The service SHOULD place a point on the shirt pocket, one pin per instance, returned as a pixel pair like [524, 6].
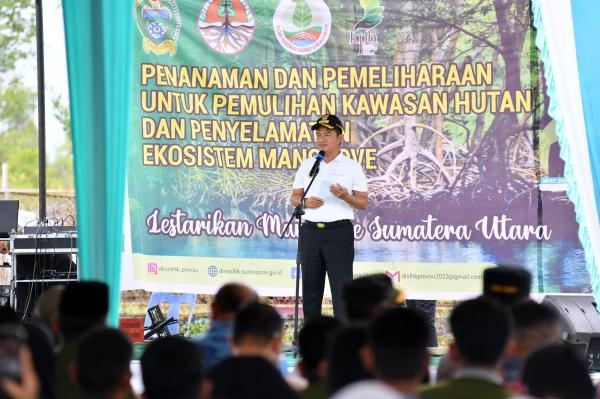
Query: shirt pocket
[343, 179]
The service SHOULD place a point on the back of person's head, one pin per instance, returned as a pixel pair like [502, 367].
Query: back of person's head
[345, 365]
[172, 368]
[258, 323]
[398, 338]
[12, 336]
[230, 298]
[82, 305]
[481, 328]
[46, 306]
[556, 371]
[248, 377]
[507, 284]
[368, 295]
[43, 357]
[42, 353]
[102, 362]
[45, 312]
[536, 324]
[313, 342]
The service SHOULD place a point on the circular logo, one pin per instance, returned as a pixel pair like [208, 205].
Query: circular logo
[226, 26]
[302, 26]
[213, 271]
[157, 30]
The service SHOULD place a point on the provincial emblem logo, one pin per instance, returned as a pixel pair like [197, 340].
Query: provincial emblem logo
[159, 23]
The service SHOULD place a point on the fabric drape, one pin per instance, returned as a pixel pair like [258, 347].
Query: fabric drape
[98, 38]
[565, 32]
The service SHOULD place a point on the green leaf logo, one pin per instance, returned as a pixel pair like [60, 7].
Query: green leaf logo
[302, 15]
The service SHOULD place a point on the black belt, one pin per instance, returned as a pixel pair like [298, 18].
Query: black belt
[326, 225]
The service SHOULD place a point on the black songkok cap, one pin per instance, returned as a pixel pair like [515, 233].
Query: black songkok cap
[509, 284]
[84, 299]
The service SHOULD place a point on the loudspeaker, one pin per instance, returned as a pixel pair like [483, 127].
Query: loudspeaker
[580, 325]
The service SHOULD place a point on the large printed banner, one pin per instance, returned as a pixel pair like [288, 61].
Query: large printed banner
[442, 104]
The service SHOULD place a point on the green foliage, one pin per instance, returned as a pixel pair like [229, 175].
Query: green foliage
[198, 327]
[19, 141]
[59, 172]
[17, 28]
[62, 114]
[18, 135]
[18, 106]
[17, 103]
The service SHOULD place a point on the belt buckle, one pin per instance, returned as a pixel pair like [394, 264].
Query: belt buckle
[321, 225]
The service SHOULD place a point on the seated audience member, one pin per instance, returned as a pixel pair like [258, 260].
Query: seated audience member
[39, 347]
[28, 387]
[397, 355]
[367, 296]
[83, 305]
[345, 364]
[509, 285]
[101, 368]
[313, 341]
[248, 377]
[257, 332]
[43, 360]
[557, 372]
[45, 312]
[228, 300]
[481, 328]
[536, 325]
[364, 298]
[172, 368]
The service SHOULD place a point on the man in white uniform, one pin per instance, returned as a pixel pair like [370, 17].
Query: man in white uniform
[326, 242]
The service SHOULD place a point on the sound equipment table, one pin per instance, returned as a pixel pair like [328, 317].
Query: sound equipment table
[41, 260]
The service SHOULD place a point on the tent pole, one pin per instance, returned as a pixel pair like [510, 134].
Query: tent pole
[39, 23]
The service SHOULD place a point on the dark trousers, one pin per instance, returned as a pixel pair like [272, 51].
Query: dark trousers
[331, 251]
[426, 308]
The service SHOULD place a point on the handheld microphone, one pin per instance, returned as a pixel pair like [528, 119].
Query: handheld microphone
[315, 169]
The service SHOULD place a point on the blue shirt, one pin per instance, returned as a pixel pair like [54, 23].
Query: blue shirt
[215, 343]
